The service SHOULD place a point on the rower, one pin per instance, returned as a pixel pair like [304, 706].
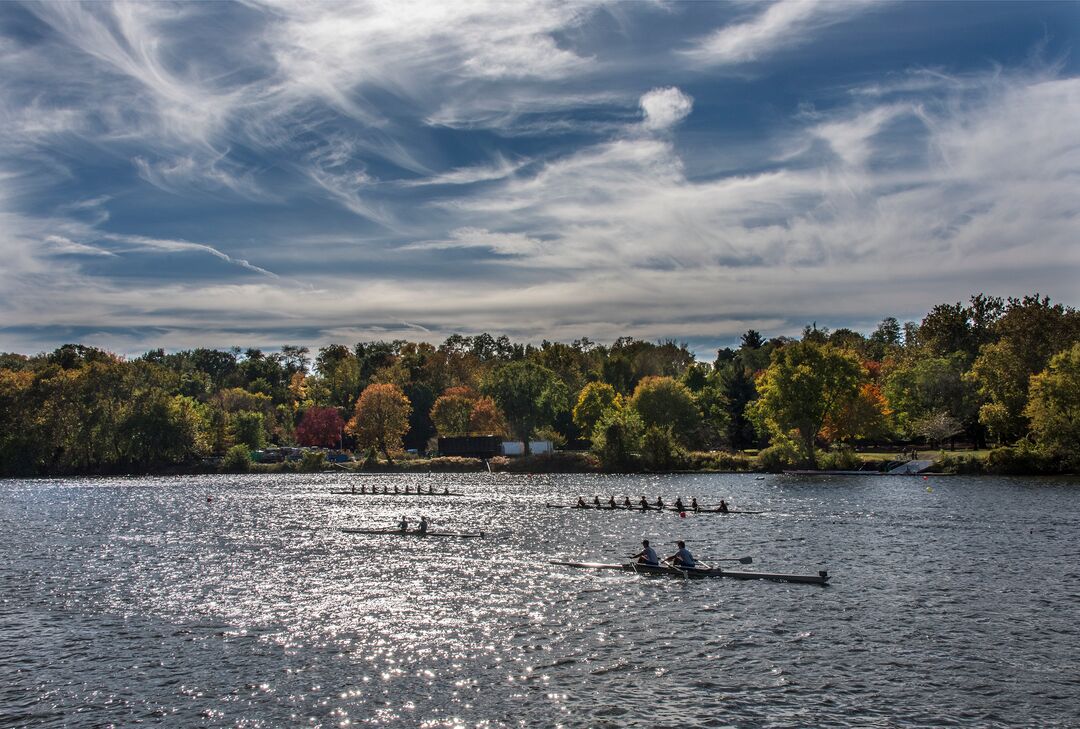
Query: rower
[406, 489]
[682, 558]
[626, 502]
[581, 503]
[395, 488]
[679, 504]
[644, 504]
[647, 555]
[362, 488]
[354, 488]
[694, 504]
[611, 502]
[659, 503]
[421, 528]
[385, 490]
[446, 491]
[596, 501]
[723, 507]
[403, 525]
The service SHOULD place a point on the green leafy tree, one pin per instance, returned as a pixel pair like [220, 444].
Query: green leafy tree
[248, 428]
[805, 385]
[529, 395]
[922, 386]
[667, 403]
[1054, 407]
[593, 401]
[616, 438]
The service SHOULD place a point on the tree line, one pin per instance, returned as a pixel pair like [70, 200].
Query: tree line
[992, 371]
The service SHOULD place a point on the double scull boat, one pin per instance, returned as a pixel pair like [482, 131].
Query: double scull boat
[821, 578]
[412, 533]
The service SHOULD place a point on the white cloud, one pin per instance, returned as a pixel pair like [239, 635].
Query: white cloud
[665, 108]
[782, 24]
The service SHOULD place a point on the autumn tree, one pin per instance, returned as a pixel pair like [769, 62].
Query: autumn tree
[486, 418]
[381, 419]
[452, 411]
[320, 426]
[805, 385]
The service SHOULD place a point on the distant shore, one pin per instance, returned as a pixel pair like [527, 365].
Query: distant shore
[939, 463]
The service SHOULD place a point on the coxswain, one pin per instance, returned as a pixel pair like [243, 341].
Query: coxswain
[403, 525]
[611, 502]
[647, 555]
[644, 504]
[596, 501]
[679, 504]
[659, 503]
[723, 507]
[694, 504]
[581, 503]
[421, 528]
[682, 558]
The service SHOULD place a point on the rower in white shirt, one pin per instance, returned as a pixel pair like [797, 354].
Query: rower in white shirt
[682, 558]
[647, 555]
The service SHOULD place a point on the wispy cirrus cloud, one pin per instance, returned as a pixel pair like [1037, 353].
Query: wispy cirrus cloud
[781, 25]
[417, 169]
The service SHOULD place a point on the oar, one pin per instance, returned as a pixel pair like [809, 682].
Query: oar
[740, 560]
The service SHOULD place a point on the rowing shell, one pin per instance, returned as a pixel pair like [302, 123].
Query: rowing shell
[350, 492]
[638, 507]
[399, 533]
[821, 578]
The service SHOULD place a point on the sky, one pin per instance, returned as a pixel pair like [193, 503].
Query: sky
[253, 174]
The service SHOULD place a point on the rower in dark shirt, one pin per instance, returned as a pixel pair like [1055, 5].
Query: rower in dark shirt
[581, 503]
[723, 507]
[596, 501]
[694, 504]
[644, 504]
[421, 528]
[403, 525]
[679, 504]
[626, 502]
[611, 502]
[659, 503]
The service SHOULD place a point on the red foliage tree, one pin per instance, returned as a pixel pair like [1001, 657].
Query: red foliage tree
[320, 427]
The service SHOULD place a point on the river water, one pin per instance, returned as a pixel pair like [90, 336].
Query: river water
[954, 601]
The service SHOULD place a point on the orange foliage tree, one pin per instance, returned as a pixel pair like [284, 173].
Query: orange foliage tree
[381, 419]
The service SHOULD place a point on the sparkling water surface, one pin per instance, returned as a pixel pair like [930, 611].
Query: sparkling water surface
[954, 601]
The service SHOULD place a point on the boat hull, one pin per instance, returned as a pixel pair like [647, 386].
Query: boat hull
[399, 533]
[821, 578]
